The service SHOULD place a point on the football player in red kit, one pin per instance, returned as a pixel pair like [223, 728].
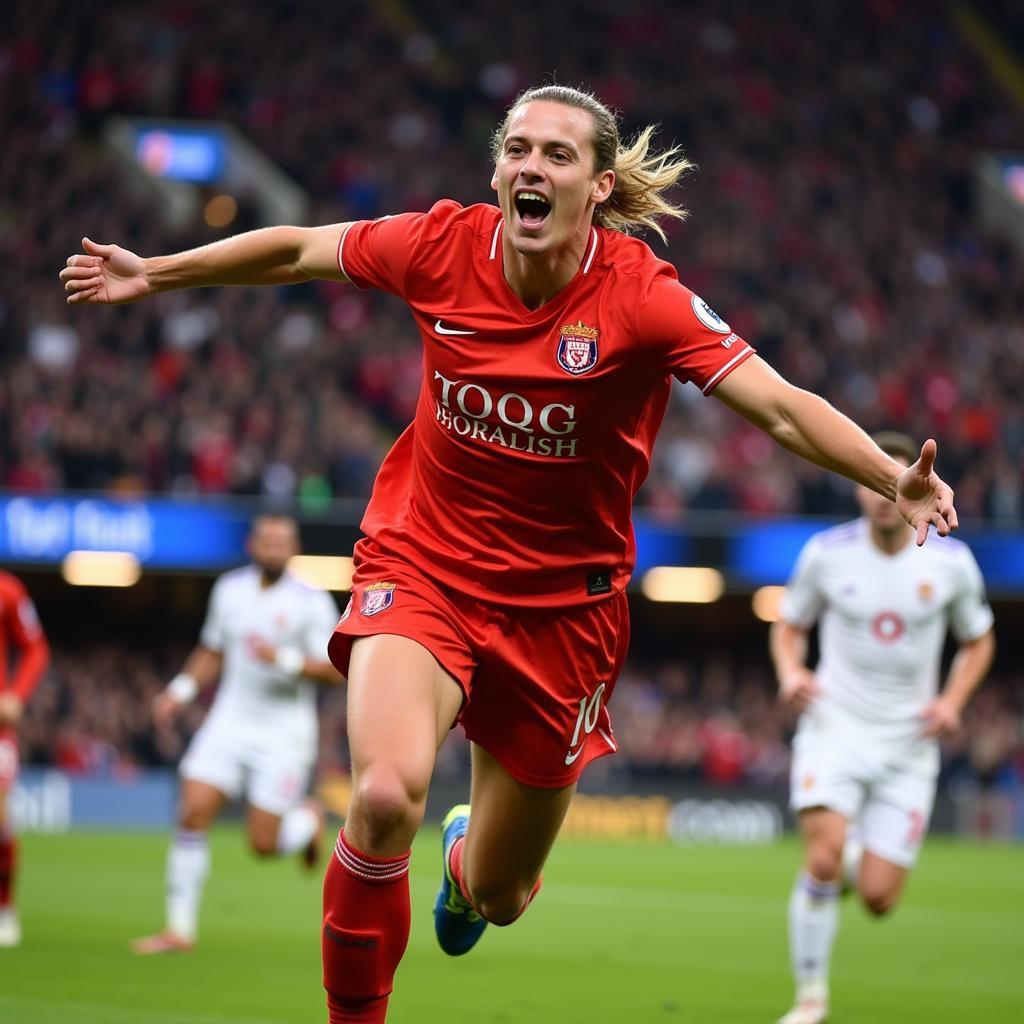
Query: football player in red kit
[490, 586]
[21, 640]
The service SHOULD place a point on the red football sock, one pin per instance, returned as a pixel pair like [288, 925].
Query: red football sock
[455, 863]
[8, 864]
[365, 932]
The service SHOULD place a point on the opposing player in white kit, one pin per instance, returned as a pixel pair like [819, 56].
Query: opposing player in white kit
[265, 638]
[865, 755]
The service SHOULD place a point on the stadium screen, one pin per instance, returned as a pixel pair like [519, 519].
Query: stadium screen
[193, 155]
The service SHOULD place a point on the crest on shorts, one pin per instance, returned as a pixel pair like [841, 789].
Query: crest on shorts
[377, 597]
[577, 348]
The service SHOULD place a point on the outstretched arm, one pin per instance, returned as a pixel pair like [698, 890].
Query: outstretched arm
[807, 425]
[109, 274]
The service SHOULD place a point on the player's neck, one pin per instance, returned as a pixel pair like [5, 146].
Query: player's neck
[891, 542]
[536, 278]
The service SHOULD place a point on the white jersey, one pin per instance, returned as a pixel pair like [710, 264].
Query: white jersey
[253, 697]
[883, 620]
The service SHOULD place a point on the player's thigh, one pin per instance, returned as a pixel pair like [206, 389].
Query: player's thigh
[895, 820]
[199, 804]
[216, 759]
[263, 827]
[401, 704]
[823, 831]
[880, 883]
[512, 829]
[279, 773]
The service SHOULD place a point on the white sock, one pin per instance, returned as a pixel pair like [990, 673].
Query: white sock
[298, 826]
[188, 864]
[813, 922]
[853, 851]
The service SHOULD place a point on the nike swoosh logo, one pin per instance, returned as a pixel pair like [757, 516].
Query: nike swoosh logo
[441, 329]
[570, 757]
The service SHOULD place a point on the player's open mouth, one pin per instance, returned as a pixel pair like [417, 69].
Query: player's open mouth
[532, 208]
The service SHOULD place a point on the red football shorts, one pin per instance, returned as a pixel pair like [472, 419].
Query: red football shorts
[536, 680]
[8, 757]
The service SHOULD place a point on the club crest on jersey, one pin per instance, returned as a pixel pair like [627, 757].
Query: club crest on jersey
[925, 591]
[377, 597]
[577, 348]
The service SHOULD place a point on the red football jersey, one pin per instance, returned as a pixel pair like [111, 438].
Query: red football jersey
[20, 630]
[534, 428]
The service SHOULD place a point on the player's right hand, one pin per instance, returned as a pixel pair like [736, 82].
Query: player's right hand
[105, 274]
[799, 689]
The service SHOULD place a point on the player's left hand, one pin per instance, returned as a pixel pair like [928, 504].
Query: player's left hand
[923, 499]
[10, 709]
[941, 718]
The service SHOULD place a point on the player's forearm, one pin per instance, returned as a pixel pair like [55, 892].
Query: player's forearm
[807, 425]
[969, 668]
[265, 256]
[204, 666]
[787, 645]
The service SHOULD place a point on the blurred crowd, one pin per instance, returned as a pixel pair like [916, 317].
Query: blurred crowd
[832, 225]
[713, 720]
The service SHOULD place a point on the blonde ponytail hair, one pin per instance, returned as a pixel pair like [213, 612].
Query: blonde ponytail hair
[641, 178]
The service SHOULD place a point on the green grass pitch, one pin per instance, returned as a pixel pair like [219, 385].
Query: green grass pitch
[633, 933]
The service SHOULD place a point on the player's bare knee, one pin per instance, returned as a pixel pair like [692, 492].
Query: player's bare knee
[879, 902]
[499, 903]
[194, 818]
[386, 806]
[824, 862]
[263, 845]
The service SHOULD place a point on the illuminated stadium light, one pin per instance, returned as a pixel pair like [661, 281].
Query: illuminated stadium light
[325, 572]
[689, 584]
[220, 211]
[101, 569]
[767, 603]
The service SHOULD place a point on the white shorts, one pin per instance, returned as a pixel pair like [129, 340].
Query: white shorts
[272, 775]
[885, 788]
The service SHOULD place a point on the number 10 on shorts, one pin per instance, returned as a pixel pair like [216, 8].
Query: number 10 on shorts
[586, 723]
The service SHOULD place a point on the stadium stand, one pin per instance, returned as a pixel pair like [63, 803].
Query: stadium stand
[832, 224]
